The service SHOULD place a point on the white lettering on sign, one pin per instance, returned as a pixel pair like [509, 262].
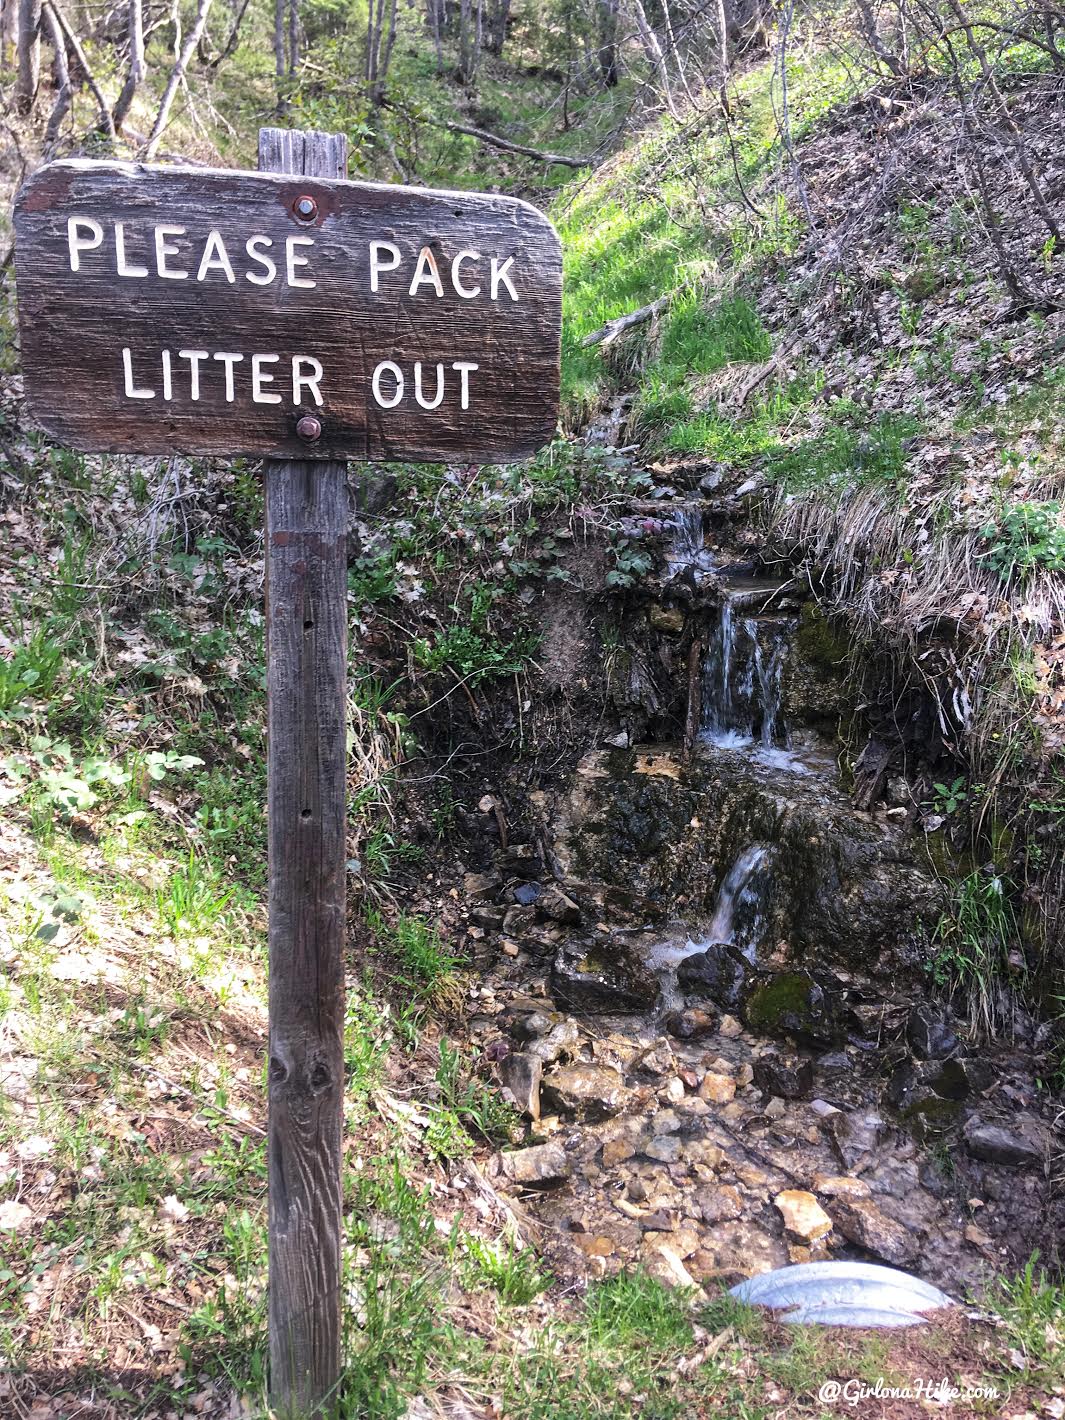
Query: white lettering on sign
[76, 244]
[389, 399]
[467, 293]
[124, 267]
[305, 375]
[215, 258]
[228, 360]
[176, 254]
[426, 269]
[251, 247]
[163, 249]
[500, 277]
[377, 264]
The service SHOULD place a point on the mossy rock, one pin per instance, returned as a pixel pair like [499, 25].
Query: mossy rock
[820, 640]
[792, 1004]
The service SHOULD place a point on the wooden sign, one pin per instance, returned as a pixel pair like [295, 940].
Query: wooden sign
[180, 310]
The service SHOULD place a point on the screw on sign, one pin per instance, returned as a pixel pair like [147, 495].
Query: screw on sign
[295, 316]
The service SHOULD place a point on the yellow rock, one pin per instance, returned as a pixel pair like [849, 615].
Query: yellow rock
[803, 1215]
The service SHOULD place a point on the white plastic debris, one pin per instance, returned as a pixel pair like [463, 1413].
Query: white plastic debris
[843, 1294]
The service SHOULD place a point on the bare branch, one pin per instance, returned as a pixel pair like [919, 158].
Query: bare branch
[607, 334]
[495, 142]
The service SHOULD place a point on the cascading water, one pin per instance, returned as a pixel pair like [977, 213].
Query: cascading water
[740, 913]
[742, 681]
[740, 918]
[687, 552]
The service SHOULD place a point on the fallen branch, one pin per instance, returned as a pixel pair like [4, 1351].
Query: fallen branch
[508, 147]
[607, 334]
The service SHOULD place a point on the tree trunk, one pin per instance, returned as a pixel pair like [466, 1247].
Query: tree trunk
[497, 27]
[177, 74]
[105, 124]
[293, 36]
[135, 75]
[280, 64]
[608, 42]
[435, 21]
[29, 55]
[8, 30]
[653, 50]
[63, 94]
[467, 46]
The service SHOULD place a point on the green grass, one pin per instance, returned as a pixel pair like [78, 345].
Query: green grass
[972, 945]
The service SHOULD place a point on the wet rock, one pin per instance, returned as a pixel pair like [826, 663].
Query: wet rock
[673, 1092]
[560, 1040]
[786, 1076]
[491, 918]
[691, 1023]
[667, 618]
[803, 1215]
[663, 1147]
[590, 1091]
[521, 860]
[1024, 1142]
[719, 974]
[559, 907]
[791, 1004]
[855, 1136]
[525, 894]
[718, 1204]
[929, 1035]
[836, 1080]
[666, 1121]
[603, 975]
[717, 1089]
[532, 1025]
[543, 1164]
[481, 886]
[519, 921]
[743, 1248]
[862, 1222]
[521, 1073]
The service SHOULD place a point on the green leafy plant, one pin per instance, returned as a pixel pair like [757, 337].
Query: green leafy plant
[471, 655]
[631, 563]
[30, 670]
[1026, 538]
[949, 797]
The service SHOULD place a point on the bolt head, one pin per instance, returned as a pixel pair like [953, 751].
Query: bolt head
[309, 428]
[305, 208]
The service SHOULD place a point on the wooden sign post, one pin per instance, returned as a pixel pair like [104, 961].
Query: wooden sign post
[296, 316]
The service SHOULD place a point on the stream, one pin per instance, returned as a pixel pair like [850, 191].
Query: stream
[713, 1011]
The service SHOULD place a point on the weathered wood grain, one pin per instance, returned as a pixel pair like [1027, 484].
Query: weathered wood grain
[76, 324]
[306, 588]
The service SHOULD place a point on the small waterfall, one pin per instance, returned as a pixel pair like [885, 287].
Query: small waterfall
[742, 902]
[742, 681]
[687, 551]
[739, 919]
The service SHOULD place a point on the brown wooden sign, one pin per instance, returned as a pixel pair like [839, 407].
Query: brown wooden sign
[180, 310]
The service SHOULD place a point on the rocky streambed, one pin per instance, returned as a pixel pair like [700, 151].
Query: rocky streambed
[702, 977]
